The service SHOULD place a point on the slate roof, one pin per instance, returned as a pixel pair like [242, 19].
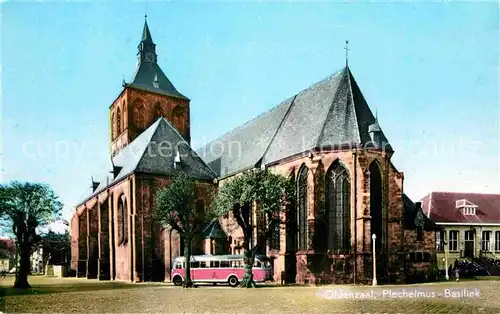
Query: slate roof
[414, 216]
[441, 207]
[153, 152]
[214, 231]
[149, 73]
[145, 77]
[330, 114]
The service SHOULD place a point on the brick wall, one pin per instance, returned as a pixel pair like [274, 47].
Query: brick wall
[140, 109]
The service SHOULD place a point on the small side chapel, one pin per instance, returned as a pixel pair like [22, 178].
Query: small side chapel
[325, 139]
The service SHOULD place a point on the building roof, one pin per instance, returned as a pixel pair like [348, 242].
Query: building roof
[442, 207]
[414, 216]
[146, 34]
[153, 152]
[214, 231]
[149, 76]
[7, 243]
[330, 114]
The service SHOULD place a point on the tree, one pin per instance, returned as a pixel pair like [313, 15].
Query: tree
[269, 192]
[27, 206]
[58, 245]
[178, 206]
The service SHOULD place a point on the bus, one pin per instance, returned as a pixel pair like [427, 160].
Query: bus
[220, 269]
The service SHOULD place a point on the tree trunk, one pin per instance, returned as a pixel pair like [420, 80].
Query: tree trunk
[188, 283]
[248, 260]
[24, 268]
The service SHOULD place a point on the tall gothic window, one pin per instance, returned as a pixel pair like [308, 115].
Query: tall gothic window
[124, 221]
[302, 208]
[118, 121]
[276, 230]
[119, 216]
[113, 127]
[339, 208]
[291, 221]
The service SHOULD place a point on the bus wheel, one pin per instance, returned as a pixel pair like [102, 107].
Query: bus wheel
[177, 280]
[233, 281]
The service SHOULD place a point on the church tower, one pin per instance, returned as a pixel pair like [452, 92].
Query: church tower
[149, 96]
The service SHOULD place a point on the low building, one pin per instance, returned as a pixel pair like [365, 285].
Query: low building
[471, 225]
[7, 254]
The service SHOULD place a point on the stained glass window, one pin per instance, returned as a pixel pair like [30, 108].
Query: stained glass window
[302, 208]
[339, 209]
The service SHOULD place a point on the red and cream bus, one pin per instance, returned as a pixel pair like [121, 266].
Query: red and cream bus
[221, 269]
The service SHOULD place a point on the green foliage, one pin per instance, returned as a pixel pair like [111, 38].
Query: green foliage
[27, 206]
[58, 245]
[270, 190]
[176, 205]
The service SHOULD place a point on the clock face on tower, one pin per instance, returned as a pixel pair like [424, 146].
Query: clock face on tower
[149, 57]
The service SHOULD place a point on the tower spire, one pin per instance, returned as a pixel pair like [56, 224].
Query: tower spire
[346, 53]
[147, 48]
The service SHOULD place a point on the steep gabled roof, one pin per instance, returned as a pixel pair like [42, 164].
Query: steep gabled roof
[214, 231]
[414, 216]
[330, 114]
[153, 152]
[442, 207]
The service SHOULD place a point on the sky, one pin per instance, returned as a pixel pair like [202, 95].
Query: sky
[429, 70]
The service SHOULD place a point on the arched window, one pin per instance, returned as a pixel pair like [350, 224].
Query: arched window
[158, 110]
[178, 118]
[118, 121]
[376, 202]
[339, 209]
[119, 221]
[113, 126]
[139, 114]
[291, 221]
[302, 208]
[124, 220]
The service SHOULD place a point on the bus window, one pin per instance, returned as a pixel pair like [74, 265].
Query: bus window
[235, 264]
[257, 264]
[214, 264]
[224, 264]
[178, 265]
[203, 265]
[195, 264]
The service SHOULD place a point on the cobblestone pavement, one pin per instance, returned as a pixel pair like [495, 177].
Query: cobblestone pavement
[80, 295]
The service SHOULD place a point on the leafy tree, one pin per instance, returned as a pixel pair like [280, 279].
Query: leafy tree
[270, 191]
[177, 206]
[58, 245]
[27, 206]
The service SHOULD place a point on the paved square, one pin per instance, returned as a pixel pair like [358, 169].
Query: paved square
[81, 295]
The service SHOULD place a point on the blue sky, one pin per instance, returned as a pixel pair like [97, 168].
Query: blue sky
[429, 69]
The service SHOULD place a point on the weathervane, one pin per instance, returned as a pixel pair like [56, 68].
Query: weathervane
[346, 52]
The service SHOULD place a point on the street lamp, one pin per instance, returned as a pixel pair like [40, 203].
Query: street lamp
[446, 276]
[374, 236]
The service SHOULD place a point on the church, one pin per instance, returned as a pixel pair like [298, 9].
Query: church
[325, 139]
